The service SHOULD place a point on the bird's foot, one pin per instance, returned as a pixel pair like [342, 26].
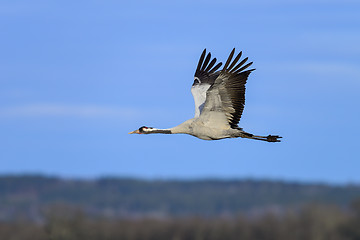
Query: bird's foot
[273, 138]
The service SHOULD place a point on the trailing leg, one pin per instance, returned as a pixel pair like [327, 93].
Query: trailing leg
[269, 138]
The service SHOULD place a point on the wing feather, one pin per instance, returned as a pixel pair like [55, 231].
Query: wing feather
[235, 60]
[229, 59]
[212, 63]
[215, 68]
[201, 60]
[205, 76]
[240, 64]
[225, 99]
[207, 59]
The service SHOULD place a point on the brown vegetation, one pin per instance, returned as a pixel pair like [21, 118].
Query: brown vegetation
[313, 222]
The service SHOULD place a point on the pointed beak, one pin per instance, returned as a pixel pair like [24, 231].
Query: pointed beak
[136, 131]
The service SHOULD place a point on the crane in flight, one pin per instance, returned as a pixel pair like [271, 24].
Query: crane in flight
[219, 97]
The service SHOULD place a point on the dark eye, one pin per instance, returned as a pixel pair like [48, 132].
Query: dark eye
[144, 128]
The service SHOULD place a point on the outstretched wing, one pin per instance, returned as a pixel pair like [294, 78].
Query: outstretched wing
[205, 76]
[225, 99]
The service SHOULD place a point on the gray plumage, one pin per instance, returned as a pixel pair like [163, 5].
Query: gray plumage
[219, 97]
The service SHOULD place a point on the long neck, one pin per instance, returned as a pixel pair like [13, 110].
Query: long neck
[155, 130]
[184, 127]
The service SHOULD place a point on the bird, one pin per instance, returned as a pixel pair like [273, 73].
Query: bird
[219, 97]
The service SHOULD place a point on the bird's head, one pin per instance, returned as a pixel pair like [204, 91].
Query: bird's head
[142, 130]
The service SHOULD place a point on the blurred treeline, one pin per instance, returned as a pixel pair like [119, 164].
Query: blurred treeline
[37, 207]
[311, 222]
[28, 197]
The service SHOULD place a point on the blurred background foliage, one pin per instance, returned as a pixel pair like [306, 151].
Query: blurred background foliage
[37, 207]
[320, 222]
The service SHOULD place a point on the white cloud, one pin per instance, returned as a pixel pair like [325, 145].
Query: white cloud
[52, 110]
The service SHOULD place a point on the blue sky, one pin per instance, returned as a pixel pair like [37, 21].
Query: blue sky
[77, 76]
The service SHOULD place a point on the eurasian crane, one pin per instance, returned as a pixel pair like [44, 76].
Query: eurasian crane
[219, 102]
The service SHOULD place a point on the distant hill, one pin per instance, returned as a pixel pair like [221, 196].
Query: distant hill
[30, 197]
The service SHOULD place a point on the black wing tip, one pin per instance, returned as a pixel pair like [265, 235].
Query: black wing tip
[231, 66]
[206, 64]
[240, 70]
[215, 68]
[200, 63]
[225, 68]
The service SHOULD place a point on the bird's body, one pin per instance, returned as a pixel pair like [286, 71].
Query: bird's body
[219, 98]
[197, 128]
